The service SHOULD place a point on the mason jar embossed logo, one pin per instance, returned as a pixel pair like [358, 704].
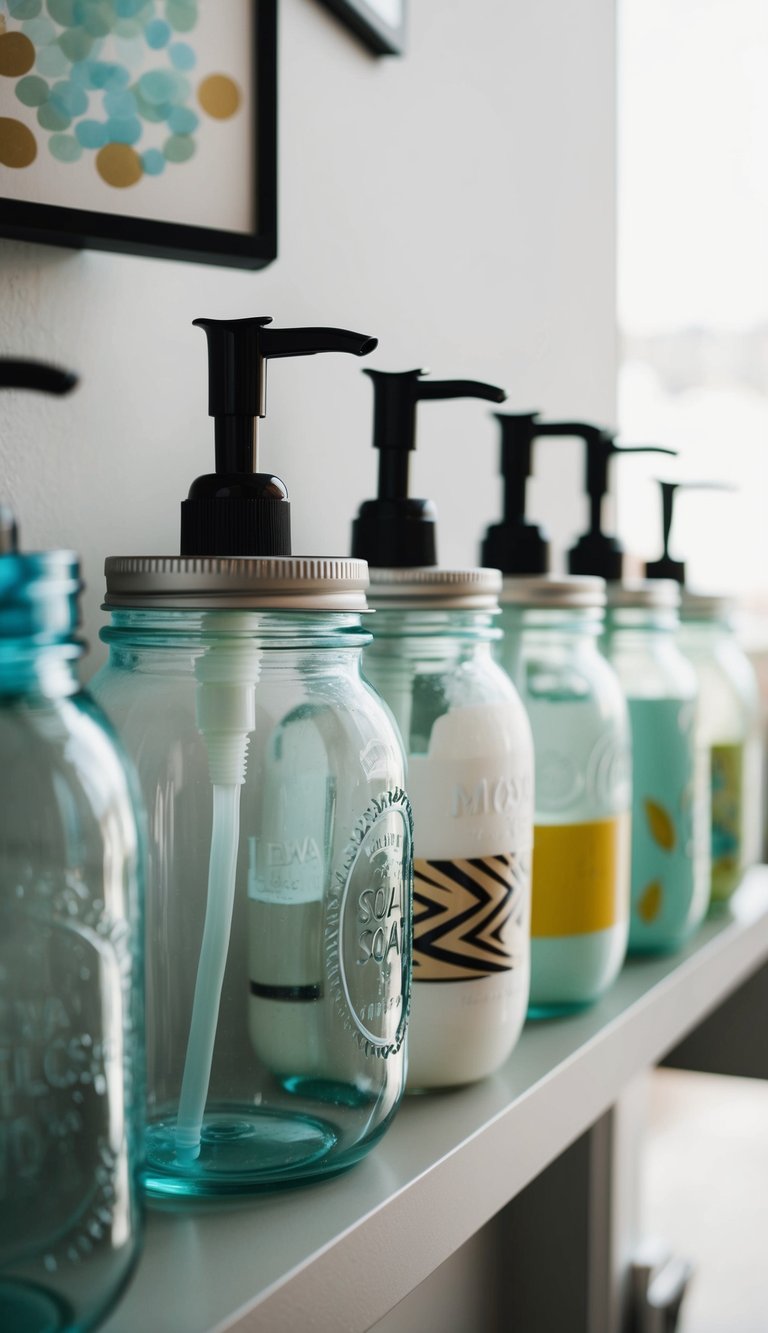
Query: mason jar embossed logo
[608, 771]
[63, 1076]
[563, 780]
[559, 783]
[368, 926]
[506, 796]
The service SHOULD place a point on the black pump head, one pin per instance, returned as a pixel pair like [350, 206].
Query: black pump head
[238, 510]
[18, 374]
[666, 567]
[514, 545]
[596, 552]
[394, 530]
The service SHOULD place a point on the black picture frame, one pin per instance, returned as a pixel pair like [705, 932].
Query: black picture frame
[380, 36]
[83, 229]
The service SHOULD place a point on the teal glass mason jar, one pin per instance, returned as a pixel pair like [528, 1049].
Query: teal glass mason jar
[729, 728]
[580, 725]
[71, 984]
[670, 769]
[279, 888]
[470, 778]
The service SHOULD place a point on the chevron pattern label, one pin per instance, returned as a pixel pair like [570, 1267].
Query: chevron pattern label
[469, 917]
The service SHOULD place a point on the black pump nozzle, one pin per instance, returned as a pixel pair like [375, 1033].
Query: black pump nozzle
[596, 552]
[666, 567]
[238, 510]
[17, 374]
[395, 530]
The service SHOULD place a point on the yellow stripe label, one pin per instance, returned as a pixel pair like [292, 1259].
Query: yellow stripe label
[580, 877]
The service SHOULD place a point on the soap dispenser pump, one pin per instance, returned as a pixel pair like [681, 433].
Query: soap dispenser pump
[274, 780]
[71, 943]
[238, 510]
[666, 567]
[395, 530]
[596, 552]
[470, 761]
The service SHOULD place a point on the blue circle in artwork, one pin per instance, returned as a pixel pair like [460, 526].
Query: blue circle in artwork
[52, 118]
[158, 85]
[181, 14]
[101, 74]
[51, 61]
[116, 78]
[153, 162]
[24, 9]
[69, 98]
[183, 120]
[40, 31]
[80, 73]
[128, 9]
[179, 148]
[182, 56]
[158, 34]
[91, 133]
[120, 103]
[124, 129]
[32, 90]
[65, 148]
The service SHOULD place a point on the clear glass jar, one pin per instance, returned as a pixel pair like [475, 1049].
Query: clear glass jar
[670, 770]
[71, 1037]
[729, 722]
[581, 847]
[470, 778]
[279, 895]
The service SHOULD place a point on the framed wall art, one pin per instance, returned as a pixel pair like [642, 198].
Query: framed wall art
[379, 23]
[143, 126]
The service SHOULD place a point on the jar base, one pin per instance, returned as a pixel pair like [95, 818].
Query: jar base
[561, 1010]
[242, 1149]
[27, 1308]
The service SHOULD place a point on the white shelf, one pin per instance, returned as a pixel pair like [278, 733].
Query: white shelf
[338, 1255]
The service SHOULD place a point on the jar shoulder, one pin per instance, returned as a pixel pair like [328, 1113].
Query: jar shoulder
[655, 670]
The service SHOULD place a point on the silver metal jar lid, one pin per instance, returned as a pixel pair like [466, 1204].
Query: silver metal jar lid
[427, 588]
[705, 605]
[644, 594]
[546, 592]
[292, 583]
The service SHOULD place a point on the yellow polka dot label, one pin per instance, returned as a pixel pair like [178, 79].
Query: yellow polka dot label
[727, 774]
[669, 816]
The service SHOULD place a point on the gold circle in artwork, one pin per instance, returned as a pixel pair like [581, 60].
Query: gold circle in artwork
[219, 96]
[17, 54]
[18, 146]
[118, 164]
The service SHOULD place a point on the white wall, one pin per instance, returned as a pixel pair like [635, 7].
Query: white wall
[458, 203]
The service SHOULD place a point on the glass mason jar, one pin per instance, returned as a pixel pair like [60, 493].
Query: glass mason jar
[470, 778]
[580, 725]
[670, 770]
[279, 890]
[729, 721]
[71, 985]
